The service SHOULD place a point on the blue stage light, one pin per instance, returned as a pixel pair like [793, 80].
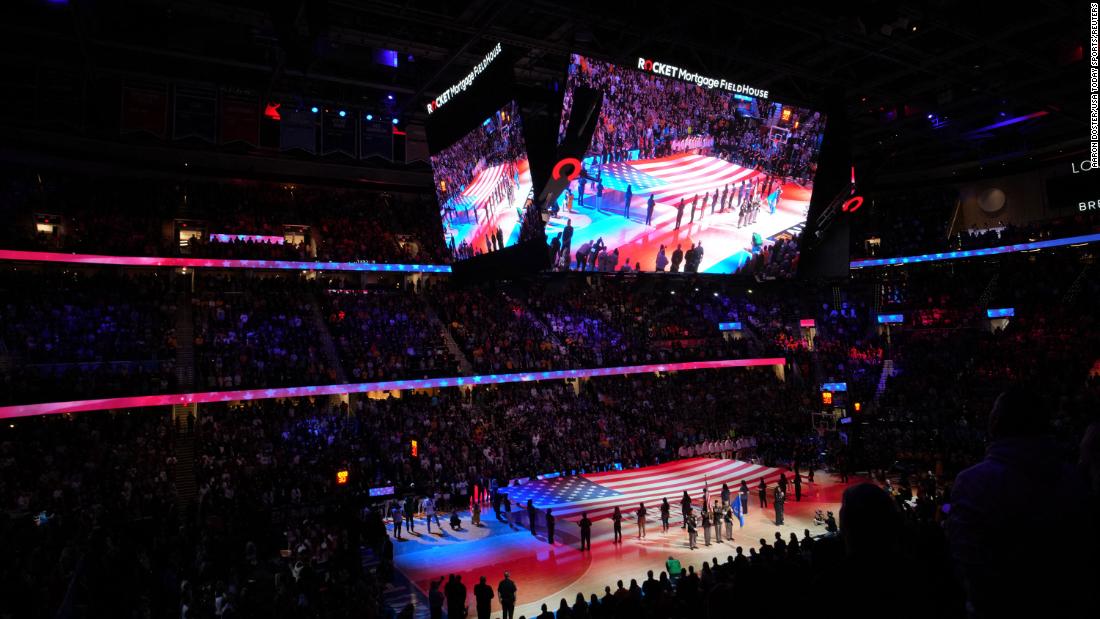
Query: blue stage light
[313, 109]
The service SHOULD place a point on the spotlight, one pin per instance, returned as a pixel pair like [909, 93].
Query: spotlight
[343, 113]
[370, 116]
[395, 121]
[929, 117]
[313, 109]
[390, 97]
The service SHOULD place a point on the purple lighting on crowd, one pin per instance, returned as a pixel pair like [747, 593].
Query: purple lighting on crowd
[56, 408]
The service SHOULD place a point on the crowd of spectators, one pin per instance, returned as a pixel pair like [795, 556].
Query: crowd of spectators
[257, 332]
[608, 323]
[68, 334]
[386, 334]
[82, 497]
[498, 334]
[136, 216]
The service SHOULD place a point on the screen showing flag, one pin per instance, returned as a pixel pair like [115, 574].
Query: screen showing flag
[483, 181]
[688, 165]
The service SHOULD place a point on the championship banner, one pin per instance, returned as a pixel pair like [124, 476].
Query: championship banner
[416, 144]
[338, 133]
[195, 113]
[60, 94]
[375, 139]
[298, 129]
[240, 117]
[145, 109]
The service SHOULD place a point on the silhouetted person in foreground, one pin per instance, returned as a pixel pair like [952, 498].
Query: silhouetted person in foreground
[988, 518]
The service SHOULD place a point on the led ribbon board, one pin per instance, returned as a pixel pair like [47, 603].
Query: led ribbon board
[200, 263]
[729, 326]
[54, 408]
[890, 319]
[973, 253]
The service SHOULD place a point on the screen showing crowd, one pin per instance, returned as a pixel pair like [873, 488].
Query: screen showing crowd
[483, 182]
[680, 177]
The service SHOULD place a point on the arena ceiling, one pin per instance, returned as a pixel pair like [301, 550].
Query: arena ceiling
[920, 82]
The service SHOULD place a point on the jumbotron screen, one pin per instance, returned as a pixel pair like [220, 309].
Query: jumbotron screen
[680, 165]
[483, 181]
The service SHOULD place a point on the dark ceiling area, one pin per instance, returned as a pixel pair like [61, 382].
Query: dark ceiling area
[921, 82]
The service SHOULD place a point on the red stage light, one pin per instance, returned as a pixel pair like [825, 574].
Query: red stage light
[272, 111]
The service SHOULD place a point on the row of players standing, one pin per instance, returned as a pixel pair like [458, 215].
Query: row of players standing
[746, 197]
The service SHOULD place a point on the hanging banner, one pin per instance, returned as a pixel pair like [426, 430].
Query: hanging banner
[375, 139]
[416, 144]
[240, 117]
[337, 133]
[297, 130]
[195, 113]
[144, 110]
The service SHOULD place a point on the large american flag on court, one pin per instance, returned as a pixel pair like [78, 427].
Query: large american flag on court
[599, 493]
[680, 176]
